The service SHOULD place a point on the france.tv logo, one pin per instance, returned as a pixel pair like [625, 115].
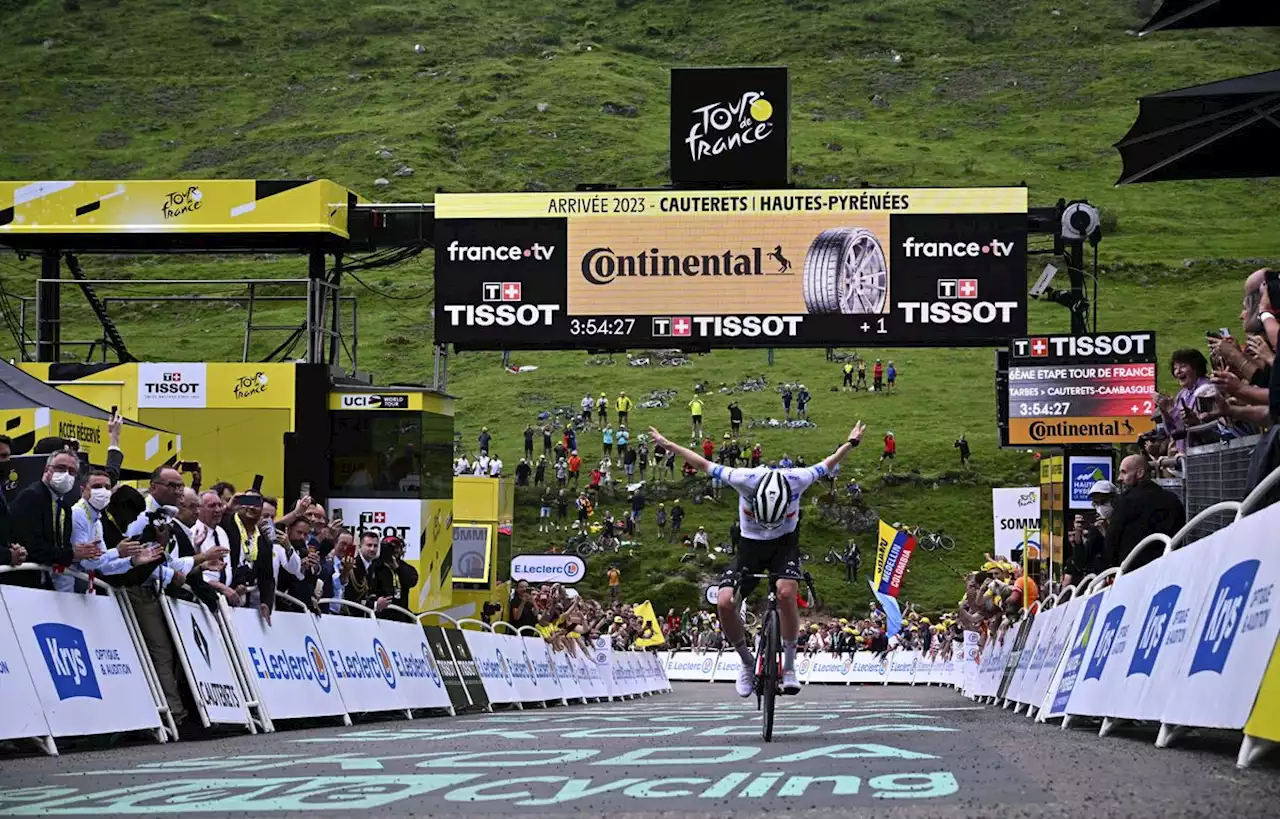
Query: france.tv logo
[67, 655]
[1225, 613]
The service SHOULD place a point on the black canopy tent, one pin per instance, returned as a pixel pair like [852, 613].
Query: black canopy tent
[1176, 14]
[1222, 130]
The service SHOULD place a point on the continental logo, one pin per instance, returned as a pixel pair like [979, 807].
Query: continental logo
[1105, 430]
[79, 432]
[601, 265]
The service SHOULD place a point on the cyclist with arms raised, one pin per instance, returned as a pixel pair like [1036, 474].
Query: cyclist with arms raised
[768, 513]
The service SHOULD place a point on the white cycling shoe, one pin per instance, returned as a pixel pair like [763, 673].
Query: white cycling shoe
[746, 684]
[790, 685]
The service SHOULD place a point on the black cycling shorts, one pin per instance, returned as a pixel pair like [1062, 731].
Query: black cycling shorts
[780, 556]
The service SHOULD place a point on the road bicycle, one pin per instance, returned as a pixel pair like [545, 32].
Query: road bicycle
[768, 683]
[929, 541]
[587, 545]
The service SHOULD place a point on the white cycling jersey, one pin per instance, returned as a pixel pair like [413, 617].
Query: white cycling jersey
[745, 481]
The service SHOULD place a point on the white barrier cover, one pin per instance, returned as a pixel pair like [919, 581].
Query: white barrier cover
[539, 654]
[1222, 668]
[624, 673]
[600, 653]
[1019, 683]
[20, 715]
[201, 641]
[660, 672]
[728, 666]
[82, 662]
[995, 654]
[1056, 660]
[1044, 667]
[413, 672]
[287, 663]
[695, 666]
[1176, 586]
[588, 674]
[503, 666]
[567, 675]
[969, 661]
[1112, 646]
[902, 667]
[1083, 631]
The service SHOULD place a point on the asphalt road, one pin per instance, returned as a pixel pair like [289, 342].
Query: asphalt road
[838, 751]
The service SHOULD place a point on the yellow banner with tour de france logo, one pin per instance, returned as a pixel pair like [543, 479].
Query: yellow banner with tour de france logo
[1264, 722]
[231, 206]
[250, 386]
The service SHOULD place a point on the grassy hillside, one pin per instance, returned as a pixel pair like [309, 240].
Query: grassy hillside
[987, 92]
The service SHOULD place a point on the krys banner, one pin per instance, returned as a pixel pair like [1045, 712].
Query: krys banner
[907, 267]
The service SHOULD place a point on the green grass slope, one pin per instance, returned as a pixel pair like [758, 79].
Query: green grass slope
[988, 92]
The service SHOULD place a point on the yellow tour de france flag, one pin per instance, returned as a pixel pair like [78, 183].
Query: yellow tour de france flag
[645, 612]
[1264, 722]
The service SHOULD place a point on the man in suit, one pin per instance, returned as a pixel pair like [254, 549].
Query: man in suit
[11, 553]
[356, 571]
[41, 516]
[1144, 509]
[251, 556]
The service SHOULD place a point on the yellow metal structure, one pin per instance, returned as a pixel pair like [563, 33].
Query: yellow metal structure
[203, 206]
[482, 503]
[236, 434]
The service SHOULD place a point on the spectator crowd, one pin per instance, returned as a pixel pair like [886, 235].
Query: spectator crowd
[79, 521]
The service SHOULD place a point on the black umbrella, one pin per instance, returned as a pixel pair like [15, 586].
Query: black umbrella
[1223, 130]
[1214, 14]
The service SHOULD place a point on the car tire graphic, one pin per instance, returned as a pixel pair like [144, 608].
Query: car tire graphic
[845, 272]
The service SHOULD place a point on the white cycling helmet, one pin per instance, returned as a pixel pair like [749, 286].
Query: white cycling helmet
[770, 501]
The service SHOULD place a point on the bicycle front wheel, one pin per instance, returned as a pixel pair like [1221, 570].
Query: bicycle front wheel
[947, 542]
[770, 646]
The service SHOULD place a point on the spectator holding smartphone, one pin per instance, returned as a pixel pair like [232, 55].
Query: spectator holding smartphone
[1191, 371]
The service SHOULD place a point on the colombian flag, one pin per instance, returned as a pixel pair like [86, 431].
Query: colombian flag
[893, 553]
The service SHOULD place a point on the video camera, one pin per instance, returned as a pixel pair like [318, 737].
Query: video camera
[161, 519]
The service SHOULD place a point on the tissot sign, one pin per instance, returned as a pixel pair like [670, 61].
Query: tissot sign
[1089, 389]
[730, 126]
[615, 270]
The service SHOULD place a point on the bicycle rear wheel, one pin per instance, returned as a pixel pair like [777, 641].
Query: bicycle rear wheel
[948, 542]
[770, 645]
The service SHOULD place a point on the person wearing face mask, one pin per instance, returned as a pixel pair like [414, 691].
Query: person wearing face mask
[86, 527]
[42, 520]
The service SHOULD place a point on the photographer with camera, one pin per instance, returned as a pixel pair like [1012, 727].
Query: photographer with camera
[392, 578]
[523, 611]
